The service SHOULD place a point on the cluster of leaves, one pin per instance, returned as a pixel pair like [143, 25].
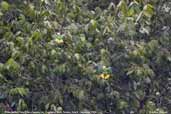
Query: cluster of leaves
[112, 56]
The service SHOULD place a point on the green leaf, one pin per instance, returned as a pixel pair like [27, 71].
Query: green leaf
[81, 94]
[21, 105]
[92, 25]
[18, 91]
[2, 79]
[150, 105]
[131, 12]
[1, 67]
[12, 66]
[130, 72]
[122, 104]
[123, 7]
[29, 11]
[5, 6]
[134, 8]
[36, 36]
[148, 10]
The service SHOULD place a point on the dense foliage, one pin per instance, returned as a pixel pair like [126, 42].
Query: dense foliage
[111, 56]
